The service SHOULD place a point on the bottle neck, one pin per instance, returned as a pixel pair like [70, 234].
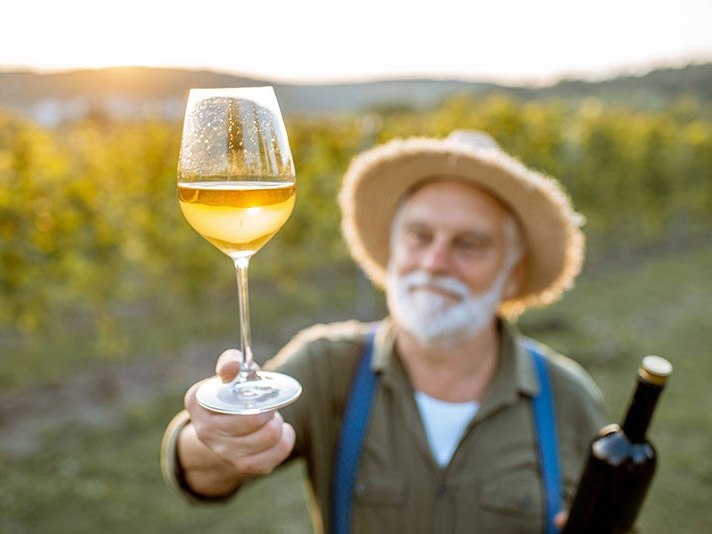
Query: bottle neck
[640, 412]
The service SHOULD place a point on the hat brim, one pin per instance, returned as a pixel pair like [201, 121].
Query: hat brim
[377, 179]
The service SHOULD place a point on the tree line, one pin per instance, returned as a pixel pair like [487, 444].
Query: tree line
[90, 225]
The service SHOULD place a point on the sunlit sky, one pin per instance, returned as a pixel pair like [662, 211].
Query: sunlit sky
[332, 40]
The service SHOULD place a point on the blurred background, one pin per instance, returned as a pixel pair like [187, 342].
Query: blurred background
[111, 305]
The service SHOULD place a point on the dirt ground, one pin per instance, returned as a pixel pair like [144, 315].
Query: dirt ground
[96, 397]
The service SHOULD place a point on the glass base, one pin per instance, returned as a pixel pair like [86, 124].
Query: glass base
[270, 392]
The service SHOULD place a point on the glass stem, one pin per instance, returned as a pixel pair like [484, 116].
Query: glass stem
[247, 367]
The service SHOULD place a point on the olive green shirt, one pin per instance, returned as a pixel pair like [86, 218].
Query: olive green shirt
[492, 484]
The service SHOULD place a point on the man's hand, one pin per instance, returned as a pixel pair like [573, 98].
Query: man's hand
[218, 451]
[560, 519]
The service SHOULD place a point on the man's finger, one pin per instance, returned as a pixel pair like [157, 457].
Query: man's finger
[228, 365]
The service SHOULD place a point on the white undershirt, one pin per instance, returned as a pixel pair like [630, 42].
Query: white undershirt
[444, 422]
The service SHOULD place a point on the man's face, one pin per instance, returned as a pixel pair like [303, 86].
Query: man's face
[448, 268]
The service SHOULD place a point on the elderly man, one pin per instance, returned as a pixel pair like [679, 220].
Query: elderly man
[447, 394]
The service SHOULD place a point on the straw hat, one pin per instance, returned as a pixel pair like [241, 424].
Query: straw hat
[377, 179]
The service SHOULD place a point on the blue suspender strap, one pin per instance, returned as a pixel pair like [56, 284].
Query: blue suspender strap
[545, 420]
[353, 430]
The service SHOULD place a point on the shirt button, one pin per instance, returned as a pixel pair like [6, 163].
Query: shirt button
[441, 489]
[361, 488]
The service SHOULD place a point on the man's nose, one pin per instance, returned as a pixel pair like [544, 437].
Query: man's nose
[437, 258]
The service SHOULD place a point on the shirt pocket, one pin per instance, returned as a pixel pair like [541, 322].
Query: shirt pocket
[380, 490]
[512, 502]
[378, 504]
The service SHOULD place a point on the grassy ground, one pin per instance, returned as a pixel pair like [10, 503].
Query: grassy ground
[609, 323]
[82, 477]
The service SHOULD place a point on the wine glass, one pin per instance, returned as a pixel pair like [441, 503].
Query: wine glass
[237, 187]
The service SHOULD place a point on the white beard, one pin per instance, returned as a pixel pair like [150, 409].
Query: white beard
[431, 317]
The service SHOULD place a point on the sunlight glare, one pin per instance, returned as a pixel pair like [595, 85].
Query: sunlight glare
[545, 39]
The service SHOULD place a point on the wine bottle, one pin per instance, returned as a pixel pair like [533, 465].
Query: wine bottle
[621, 462]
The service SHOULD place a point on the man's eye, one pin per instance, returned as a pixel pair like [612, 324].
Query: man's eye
[420, 237]
[474, 246]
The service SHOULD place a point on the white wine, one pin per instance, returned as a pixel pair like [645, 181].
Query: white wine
[238, 217]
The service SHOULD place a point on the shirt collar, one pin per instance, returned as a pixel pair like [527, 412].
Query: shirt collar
[515, 370]
[384, 345]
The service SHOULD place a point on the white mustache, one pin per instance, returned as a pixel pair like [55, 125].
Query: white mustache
[418, 279]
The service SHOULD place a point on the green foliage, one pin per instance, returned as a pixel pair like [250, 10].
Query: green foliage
[92, 240]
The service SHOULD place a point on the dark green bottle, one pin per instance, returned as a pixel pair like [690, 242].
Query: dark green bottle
[621, 462]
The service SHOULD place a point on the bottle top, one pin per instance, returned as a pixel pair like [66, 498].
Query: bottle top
[655, 370]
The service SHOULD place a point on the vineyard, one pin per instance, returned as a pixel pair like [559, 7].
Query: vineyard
[98, 267]
[90, 226]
